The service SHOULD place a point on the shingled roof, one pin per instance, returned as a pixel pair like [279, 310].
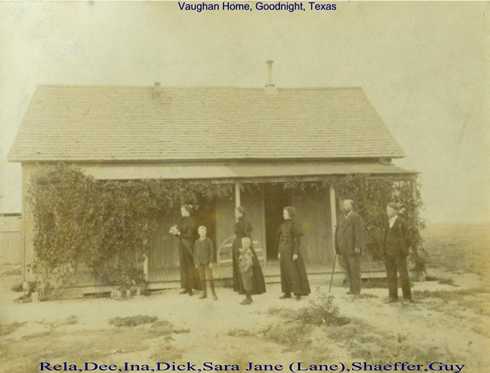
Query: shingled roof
[90, 123]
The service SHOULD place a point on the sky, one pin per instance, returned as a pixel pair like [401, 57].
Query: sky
[424, 67]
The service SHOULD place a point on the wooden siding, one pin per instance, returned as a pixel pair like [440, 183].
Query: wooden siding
[28, 221]
[164, 252]
[313, 210]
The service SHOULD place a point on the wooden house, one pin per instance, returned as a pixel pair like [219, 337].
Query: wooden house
[265, 136]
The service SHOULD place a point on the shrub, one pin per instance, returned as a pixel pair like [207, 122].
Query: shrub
[132, 321]
[289, 334]
[6, 329]
[321, 312]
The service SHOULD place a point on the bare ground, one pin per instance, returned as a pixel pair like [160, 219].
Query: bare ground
[449, 321]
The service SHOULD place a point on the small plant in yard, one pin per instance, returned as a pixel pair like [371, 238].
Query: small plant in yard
[474, 299]
[289, 333]
[164, 328]
[451, 295]
[70, 320]
[447, 281]
[299, 323]
[6, 329]
[321, 312]
[398, 348]
[131, 321]
[239, 333]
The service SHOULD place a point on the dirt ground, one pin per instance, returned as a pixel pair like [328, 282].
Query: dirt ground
[449, 322]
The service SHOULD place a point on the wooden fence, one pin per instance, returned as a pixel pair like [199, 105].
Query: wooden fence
[11, 238]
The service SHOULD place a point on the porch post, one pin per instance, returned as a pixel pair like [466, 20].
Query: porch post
[414, 189]
[145, 268]
[333, 217]
[237, 195]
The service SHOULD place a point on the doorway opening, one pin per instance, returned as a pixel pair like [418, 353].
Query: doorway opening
[206, 215]
[276, 198]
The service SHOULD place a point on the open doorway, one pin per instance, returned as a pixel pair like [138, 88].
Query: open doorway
[276, 198]
[206, 215]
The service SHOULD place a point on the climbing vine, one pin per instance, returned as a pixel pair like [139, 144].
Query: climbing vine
[108, 226]
[370, 196]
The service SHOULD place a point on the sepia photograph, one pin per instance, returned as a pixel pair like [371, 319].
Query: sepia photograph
[277, 186]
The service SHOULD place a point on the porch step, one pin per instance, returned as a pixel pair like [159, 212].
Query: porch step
[316, 278]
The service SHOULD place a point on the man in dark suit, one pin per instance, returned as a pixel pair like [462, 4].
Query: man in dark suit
[396, 249]
[349, 241]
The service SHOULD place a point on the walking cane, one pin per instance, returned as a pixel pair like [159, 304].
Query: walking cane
[331, 275]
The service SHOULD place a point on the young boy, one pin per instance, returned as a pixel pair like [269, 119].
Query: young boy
[245, 263]
[204, 256]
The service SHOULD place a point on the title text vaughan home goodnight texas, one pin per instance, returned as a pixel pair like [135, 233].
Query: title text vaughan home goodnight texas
[233, 6]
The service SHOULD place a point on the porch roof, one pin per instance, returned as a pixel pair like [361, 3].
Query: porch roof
[242, 171]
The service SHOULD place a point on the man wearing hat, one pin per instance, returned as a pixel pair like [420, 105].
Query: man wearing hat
[396, 249]
[349, 242]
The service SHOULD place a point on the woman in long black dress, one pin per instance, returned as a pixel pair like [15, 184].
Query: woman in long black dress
[185, 230]
[293, 272]
[243, 228]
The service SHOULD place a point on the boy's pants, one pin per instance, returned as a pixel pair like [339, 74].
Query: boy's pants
[206, 272]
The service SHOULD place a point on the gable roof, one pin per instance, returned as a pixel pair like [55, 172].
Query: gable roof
[91, 123]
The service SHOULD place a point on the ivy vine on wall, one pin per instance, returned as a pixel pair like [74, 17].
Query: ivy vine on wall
[108, 226]
[104, 225]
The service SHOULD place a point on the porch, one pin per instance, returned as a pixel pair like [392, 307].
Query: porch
[169, 278]
[259, 187]
[316, 273]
